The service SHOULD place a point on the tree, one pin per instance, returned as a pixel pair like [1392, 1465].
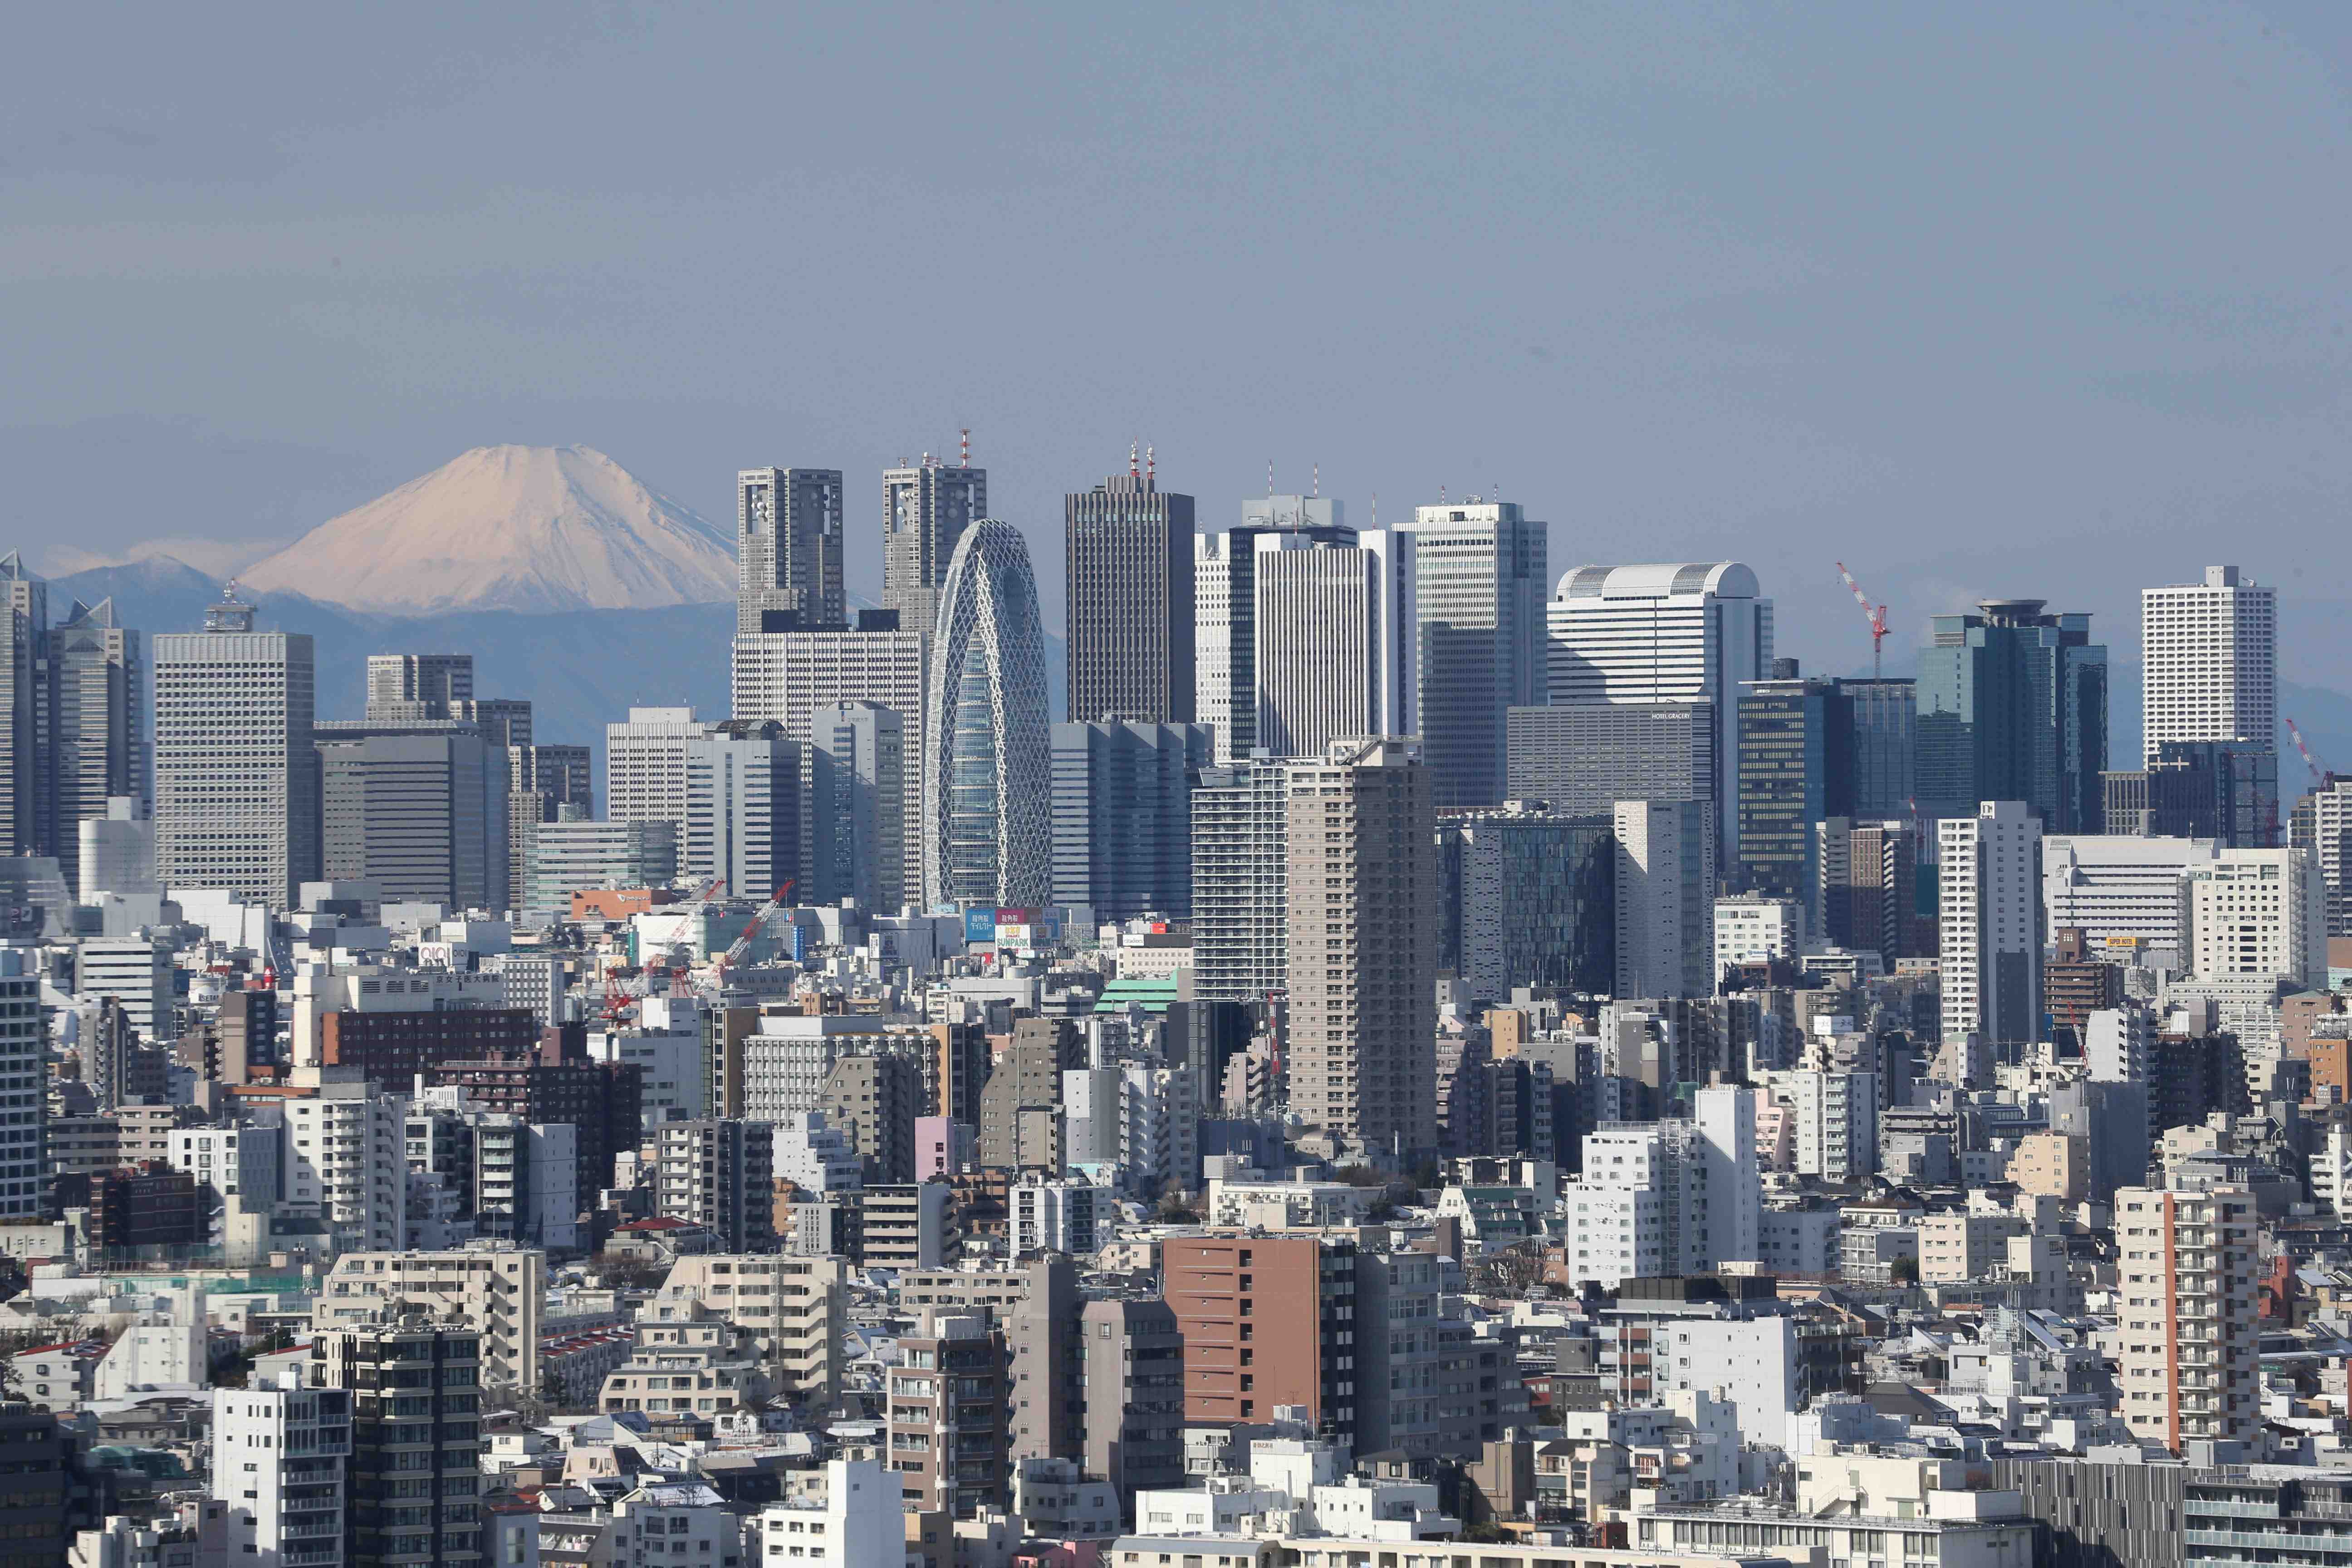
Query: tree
[1903, 1271]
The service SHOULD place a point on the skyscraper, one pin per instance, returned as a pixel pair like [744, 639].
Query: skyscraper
[435, 680]
[1240, 828]
[788, 676]
[758, 809]
[987, 811]
[1122, 816]
[2211, 654]
[1333, 640]
[1480, 577]
[540, 780]
[421, 815]
[926, 507]
[788, 549]
[1664, 634]
[2013, 706]
[645, 764]
[866, 743]
[24, 1072]
[1587, 758]
[1224, 610]
[1360, 892]
[1988, 915]
[1665, 898]
[100, 753]
[1130, 584]
[236, 774]
[1527, 895]
[25, 803]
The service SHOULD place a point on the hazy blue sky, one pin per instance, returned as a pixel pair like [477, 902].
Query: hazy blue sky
[2047, 299]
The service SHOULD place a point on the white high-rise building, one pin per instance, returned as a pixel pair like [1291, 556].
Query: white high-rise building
[1752, 926]
[1665, 898]
[237, 771]
[1676, 632]
[279, 1459]
[2259, 914]
[2185, 1266]
[347, 1163]
[1833, 1117]
[1224, 610]
[1332, 638]
[1480, 572]
[1668, 1197]
[2121, 891]
[2211, 652]
[1989, 924]
[645, 766]
[2117, 1043]
[2322, 828]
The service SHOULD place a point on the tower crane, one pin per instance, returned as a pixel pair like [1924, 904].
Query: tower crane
[1877, 615]
[758, 923]
[2318, 773]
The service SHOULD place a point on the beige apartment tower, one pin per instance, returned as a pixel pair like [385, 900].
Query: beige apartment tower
[1360, 894]
[2185, 1279]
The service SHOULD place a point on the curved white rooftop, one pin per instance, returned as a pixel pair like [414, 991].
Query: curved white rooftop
[1724, 579]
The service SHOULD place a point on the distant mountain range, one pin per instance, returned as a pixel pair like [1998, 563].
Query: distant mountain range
[536, 529]
[581, 668]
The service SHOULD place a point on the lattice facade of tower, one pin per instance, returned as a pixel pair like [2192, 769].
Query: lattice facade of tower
[987, 780]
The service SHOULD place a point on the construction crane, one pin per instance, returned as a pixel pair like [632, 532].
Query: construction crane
[759, 923]
[1877, 615]
[2318, 773]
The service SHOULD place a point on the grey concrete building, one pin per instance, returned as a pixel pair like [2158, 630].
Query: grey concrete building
[237, 773]
[98, 667]
[788, 676]
[1122, 815]
[1130, 584]
[865, 743]
[788, 549]
[1479, 581]
[926, 507]
[420, 816]
[874, 1100]
[1133, 1370]
[397, 681]
[1224, 610]
[756, 808]
[26, 816]
[1021, 1105]
[1589, 756]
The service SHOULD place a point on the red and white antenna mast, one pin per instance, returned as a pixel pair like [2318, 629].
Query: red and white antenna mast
[967, 446]
[1876, 613]
[1133, 469]
[1151, 468]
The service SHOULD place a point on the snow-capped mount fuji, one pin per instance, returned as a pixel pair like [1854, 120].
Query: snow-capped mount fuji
[539, 529]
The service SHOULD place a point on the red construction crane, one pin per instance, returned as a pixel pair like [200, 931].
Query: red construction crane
[758, 924]
[1877, 617]
[2294, 734]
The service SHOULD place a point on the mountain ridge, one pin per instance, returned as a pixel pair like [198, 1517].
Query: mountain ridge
[534, 530]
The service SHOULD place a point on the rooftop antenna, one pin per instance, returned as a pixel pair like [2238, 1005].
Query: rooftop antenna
[1318, 481]
[1269, 476]
[1150, 463]
[1133, 472]
[967, 447]
[1441, 495]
